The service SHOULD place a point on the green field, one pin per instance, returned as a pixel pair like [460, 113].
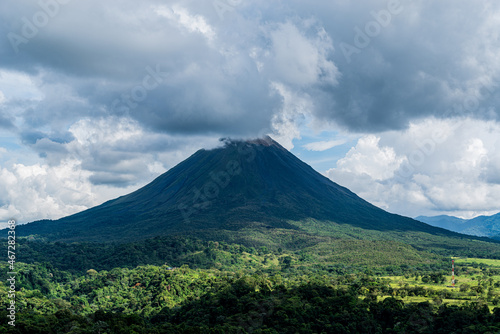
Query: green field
[476, 280]
[489, 262]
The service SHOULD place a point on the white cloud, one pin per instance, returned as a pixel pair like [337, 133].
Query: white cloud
[287, 121]
[182, 17]
[367, 157]
[324, 145]
[18, 85]
[298, 60]
[120, 152]
[105, 130]
[40, 191]
[434, 167]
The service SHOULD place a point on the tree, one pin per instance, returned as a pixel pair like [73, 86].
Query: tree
[91, 272]
[477, 289]
[287, 261]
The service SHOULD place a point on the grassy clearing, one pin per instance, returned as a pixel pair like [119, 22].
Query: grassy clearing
[489, 262]
[476, 280]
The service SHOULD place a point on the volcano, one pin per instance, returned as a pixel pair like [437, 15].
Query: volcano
[240, 184]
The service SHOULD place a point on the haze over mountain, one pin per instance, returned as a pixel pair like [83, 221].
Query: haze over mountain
[241, 184]
[483, 226]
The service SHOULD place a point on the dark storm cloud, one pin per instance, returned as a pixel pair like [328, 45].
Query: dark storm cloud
[187, 68]
[401, 61]
[431, 58]
[112, 179]
[85, 62]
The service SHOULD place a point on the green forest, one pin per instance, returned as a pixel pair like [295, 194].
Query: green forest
[189, 285]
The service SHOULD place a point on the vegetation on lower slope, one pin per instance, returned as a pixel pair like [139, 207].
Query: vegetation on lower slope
[313, 243]
[440, 244]
[77, 258]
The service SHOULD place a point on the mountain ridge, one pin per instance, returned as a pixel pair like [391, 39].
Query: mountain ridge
[482, 226]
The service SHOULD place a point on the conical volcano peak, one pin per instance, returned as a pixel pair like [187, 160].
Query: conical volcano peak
[264, 141]
[244, 183]
[261, 141]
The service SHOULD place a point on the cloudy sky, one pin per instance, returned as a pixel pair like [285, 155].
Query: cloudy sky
[396, 100]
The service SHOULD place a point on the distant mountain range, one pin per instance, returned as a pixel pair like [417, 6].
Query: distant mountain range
[239, 185]
[483, 226]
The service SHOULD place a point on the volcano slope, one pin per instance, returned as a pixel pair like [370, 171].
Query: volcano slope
[252, 192]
